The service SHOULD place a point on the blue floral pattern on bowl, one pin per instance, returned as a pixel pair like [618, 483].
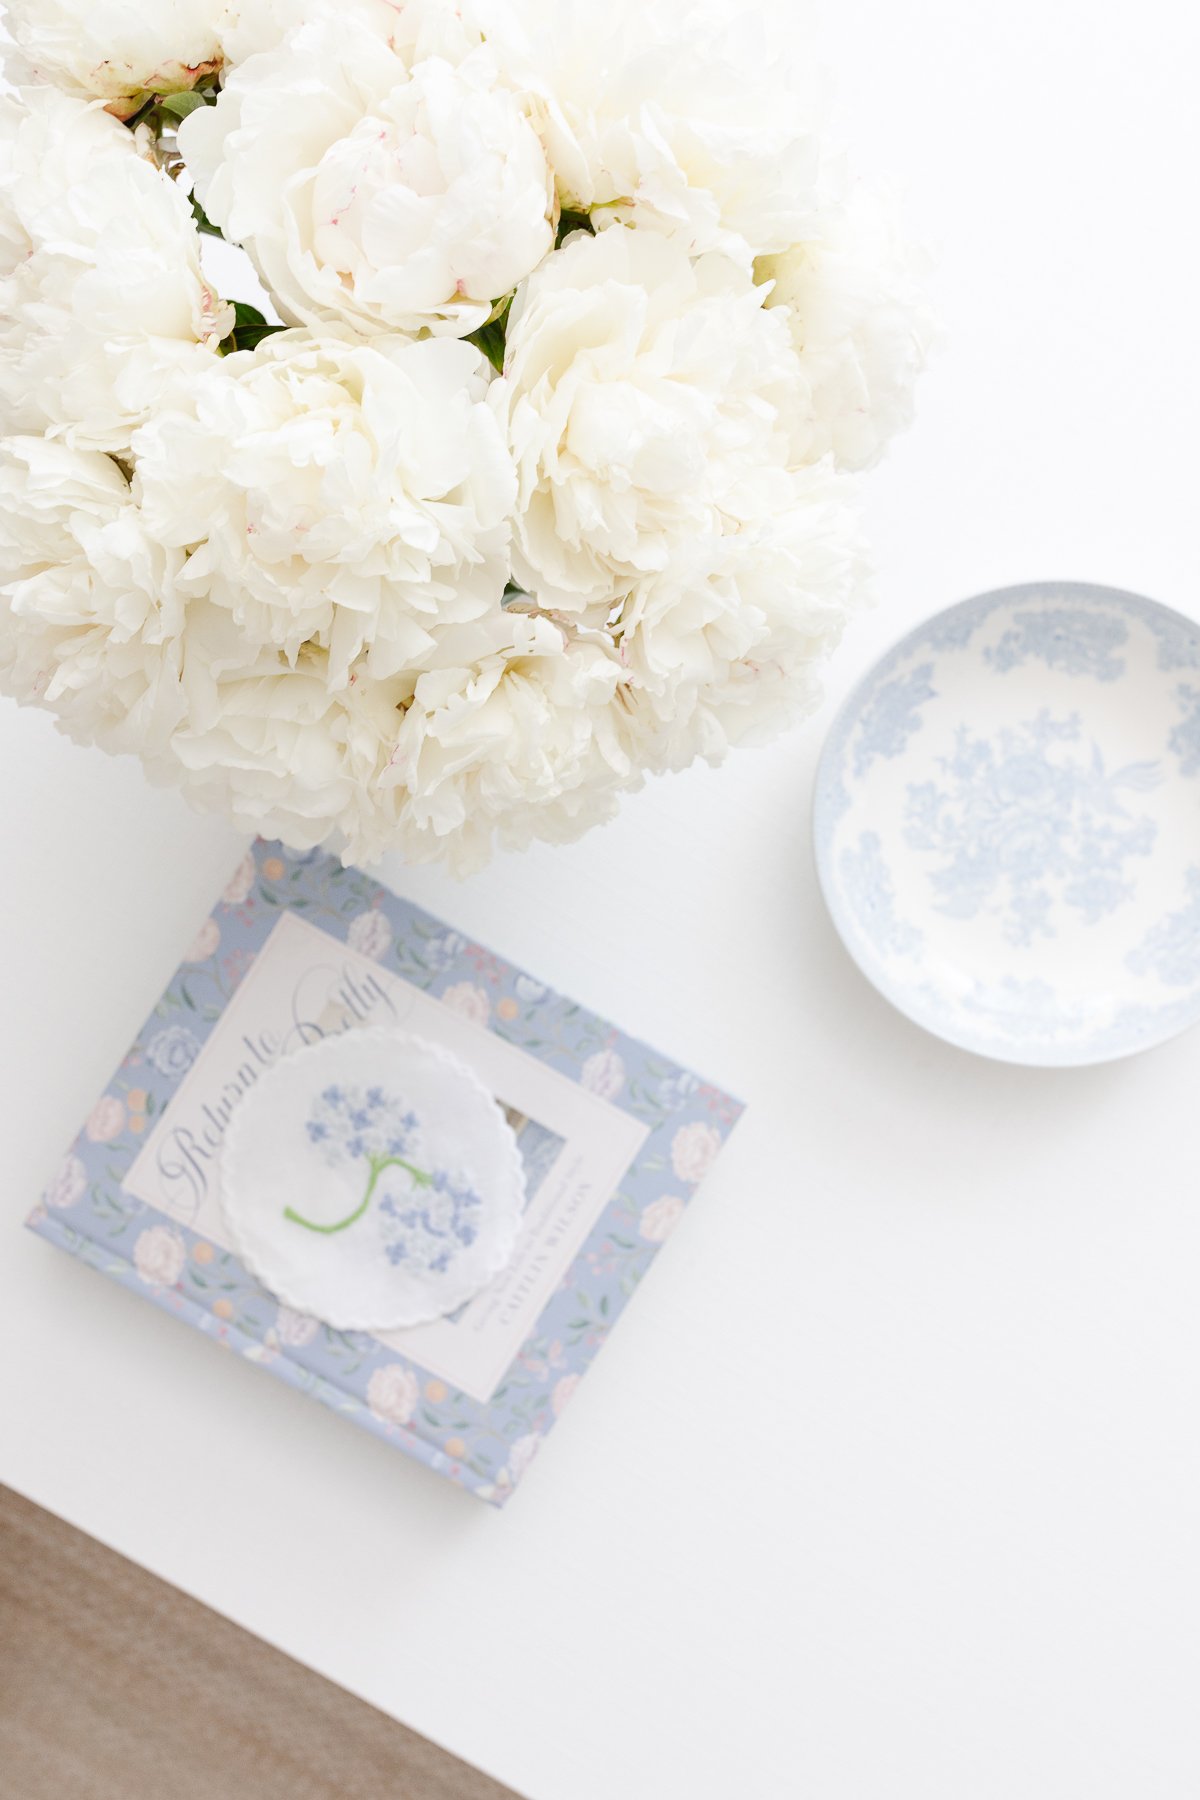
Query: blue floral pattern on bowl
[1011, 821]
[1007, 822]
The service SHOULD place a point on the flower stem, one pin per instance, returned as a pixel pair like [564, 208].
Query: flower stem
[378, 1165]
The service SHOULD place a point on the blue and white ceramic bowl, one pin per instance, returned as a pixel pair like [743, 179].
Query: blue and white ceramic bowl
[1007, 824]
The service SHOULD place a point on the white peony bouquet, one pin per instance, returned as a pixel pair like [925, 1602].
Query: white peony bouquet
[532, 471]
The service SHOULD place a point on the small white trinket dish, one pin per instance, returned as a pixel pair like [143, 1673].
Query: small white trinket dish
[370, 1181]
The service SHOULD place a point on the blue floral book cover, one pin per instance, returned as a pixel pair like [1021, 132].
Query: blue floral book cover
[614, 1138]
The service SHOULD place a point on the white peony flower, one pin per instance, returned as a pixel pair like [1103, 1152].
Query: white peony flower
[205, 944]
[694, 1149]
[525, 744]
[240, 885]
[370, 934]
[101, 294]
[391, 194]
[67, 1186]
[467, 1000]
[414, 29]
[860, 320]
[651, 401]
[120, 51]
[393, 1394]
[89, 610]
[349, 586]
[565, 1389]
[674, 115]
[339, 496]
[249, 27]
[269, 745]
[106, 1120]
[295, 1329]
[725, 648]
[660, 1218]
[159, 1256]
[520, 1456]
[603, 1074]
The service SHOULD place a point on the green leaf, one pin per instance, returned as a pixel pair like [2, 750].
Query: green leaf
[253, 336]
[203, 222]
[572, 221]
[249, 330]
[492, 336]
[178, 106]
[490, 339]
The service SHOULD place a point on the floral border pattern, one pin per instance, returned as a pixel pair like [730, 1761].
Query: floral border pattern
[484, 1448]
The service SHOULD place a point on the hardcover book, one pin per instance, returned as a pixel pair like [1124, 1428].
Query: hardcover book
[614, 1138]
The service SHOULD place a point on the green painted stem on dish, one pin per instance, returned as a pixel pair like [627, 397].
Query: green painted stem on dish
[378, 1165]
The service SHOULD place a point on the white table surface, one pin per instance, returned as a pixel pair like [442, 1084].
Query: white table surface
[887, 1484]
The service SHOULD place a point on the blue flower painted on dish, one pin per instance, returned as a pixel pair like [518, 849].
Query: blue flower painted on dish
[1177, 639]
[868, 887]
[953, 629]
[1185, 738]
[1015, 826]
[367, 1125]
[427, 1214]
[892, 717]
[1074, 639]
[1171, 950]
[432, 1223]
